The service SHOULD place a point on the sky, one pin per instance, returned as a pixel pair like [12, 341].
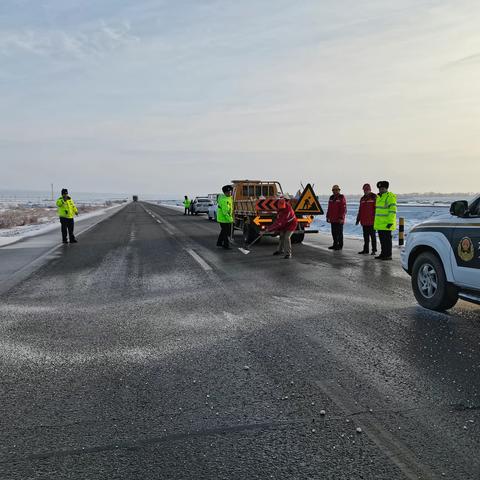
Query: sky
[179, 97]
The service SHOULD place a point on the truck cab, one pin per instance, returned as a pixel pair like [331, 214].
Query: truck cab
[442, 256]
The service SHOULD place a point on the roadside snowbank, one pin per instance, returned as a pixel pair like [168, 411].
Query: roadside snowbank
[12, 235]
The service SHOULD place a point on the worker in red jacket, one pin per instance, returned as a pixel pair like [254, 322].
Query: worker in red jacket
[285, 224]
[337, 210]
[366, 217]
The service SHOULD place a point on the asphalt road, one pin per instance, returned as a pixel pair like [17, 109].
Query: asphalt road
[144, 352]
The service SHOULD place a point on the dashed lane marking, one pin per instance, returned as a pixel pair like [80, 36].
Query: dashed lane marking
[199, 260]
[319, 247]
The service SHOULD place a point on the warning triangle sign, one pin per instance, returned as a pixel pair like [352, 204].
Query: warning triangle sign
[308, 203]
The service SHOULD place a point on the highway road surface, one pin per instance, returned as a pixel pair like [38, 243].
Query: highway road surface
[145, 352]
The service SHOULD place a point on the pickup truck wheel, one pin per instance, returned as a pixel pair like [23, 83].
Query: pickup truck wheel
[250, 233]
[298, 237]
[429, 283]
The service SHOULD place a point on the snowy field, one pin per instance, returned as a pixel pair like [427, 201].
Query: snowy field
[40, 210]
[25, 214]
[415, 211]
[413, 214]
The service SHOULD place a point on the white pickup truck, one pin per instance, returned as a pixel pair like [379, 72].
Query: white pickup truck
[442, 256]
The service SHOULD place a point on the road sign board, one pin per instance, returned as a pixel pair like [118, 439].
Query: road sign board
[259, 220]
[308, 202]
[267, 204]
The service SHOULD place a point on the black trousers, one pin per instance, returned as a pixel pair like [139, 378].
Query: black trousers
[67, 226]
[186, 211]
[385, 237]
[225, 232]
[337, 234]
[369, 234]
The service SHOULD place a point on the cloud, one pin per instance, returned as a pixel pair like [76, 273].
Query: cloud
[94, 41]
[469, 59]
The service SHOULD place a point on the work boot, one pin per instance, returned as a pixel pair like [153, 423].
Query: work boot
[73, 240]
[276, 252]
[374, 252]
[288, 256]
[386, 258]
[64, 241]
[332, 247]
[379, 257]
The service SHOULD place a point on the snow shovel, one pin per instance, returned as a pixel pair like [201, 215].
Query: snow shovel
[246, 250]
[231, 236]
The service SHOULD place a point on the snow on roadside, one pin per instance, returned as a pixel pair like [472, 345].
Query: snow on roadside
[12, 235]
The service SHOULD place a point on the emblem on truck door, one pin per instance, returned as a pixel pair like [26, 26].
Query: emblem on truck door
[466, 250]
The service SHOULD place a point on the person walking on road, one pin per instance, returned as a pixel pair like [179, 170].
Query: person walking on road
[366, 217]
[385, 219]
[337, 210]
[66, 210]
[225, 216]
[285, 224]
[186, 203]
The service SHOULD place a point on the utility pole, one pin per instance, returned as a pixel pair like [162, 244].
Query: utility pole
[52, 190]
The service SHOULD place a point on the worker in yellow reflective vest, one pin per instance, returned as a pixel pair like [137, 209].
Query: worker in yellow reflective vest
[186, 203]
[225, 216]
[66, 210]
[385, 219]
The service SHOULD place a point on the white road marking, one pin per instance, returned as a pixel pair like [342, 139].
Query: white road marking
[320, 247]
[199, 260]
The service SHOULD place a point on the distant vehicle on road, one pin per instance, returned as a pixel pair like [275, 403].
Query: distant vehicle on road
[200, 205]
[442, 256]
[135, 198]
[212, 209]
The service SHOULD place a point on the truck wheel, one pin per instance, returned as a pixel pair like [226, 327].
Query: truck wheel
[429, 283]
[298, 237]
[250, 233]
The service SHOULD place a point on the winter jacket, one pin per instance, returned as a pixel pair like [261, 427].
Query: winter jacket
[366, 211]
[286, 220]
[224, 209]
[386, 212]
[187, 202]
[337, 209]
[66, 208]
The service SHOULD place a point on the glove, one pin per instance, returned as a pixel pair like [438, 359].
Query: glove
[389, 225]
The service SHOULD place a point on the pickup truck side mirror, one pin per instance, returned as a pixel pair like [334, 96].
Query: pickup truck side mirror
[459, 208]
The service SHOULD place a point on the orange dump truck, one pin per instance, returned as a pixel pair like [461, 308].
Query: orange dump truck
[255, 207]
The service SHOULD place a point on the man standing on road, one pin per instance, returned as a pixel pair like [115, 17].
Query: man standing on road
[225, 216]
[66, 210]
[285, 224]
[385, 219]
[366, 217]
[337, 210]
[186, 204]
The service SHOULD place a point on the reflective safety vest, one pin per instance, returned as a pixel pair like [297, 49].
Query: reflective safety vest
[66, 208]
[386, 211]
[224, 209]
[187, 202]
